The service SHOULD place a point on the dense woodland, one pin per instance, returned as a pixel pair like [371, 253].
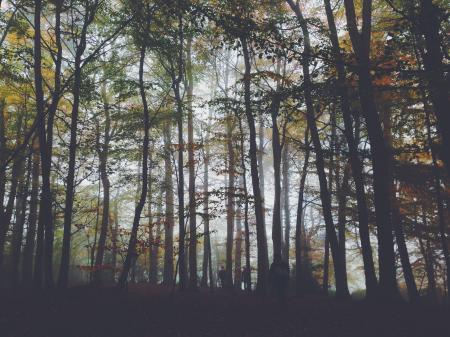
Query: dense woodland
[159, 141]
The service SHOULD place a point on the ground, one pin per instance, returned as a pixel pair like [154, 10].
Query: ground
[145, 311]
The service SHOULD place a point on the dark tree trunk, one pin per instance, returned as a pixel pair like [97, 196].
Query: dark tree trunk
[434, 66]
[238, 248]
[21, 208]
[379, 151]
[276, 150]
[286, 204]
[14, 190]
[427, 254]
[191, 164]
[355, 162]
[230, 199]
[299, 286]
[70, 180]
[131, 251]
[413, 294]
[248, 280]
[261, 237]
[340, 276]
[114, 240]
[169, 214]
[103, 152]
[261, 164]
[154, 245]
[27, 269]
[443, 235]
[206, 231]
[45, 222]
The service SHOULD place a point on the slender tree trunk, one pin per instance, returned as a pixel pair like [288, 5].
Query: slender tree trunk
[154, 247]
[299, 286]
[443, 235]
[342, 194]
[45, 222]
[396, 216]
[169, 221]
[131, 251]
[379, 152]
[238, 248]
[151, 224]
[191, 165]
[433, 61]
[248, 280]
[277, 150]
[355, 162]
[207, 263]
[70, 180]
[114, 240]
[21, 207]
[103, 152]
[261, 237]
[260, 158]
[427, 257]
[230, 200]
[27, 269]
[14, 190]
[286, 203]
[341, 284]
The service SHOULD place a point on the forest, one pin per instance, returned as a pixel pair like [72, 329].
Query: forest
[224, 167]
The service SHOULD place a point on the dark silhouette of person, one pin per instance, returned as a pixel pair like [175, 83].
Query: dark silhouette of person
[222, 276]
[279, 279]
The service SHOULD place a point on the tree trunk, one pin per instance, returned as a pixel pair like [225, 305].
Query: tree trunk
[261, 237]
[238, 249]
[14, 190]
[248, 280]
[299, 286]
[27, 269]
[154, 246]
[340, 276]
[191, 165]
[434, 66]
[169, 213]
[131, 251]
[103, 152]
[21, 207]
[276, 150]
[70, 180]
[413, 294]
[443, 235]
[355, 161]
[380, 159]
[427, 257]
[286, 204]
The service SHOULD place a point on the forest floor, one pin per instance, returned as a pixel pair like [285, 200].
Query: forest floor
[146, 311]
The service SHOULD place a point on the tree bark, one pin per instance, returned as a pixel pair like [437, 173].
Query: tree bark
[131, 251]
[379, 152]
[70, 180]
[248, 280]
[434, 66]
[355, 161]
[191, 164]
[21, 207]
[27, 269]
[169, 213]
[103, 153]
[341, 279]
[286, 204]
[299, 273]
[261, 237]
